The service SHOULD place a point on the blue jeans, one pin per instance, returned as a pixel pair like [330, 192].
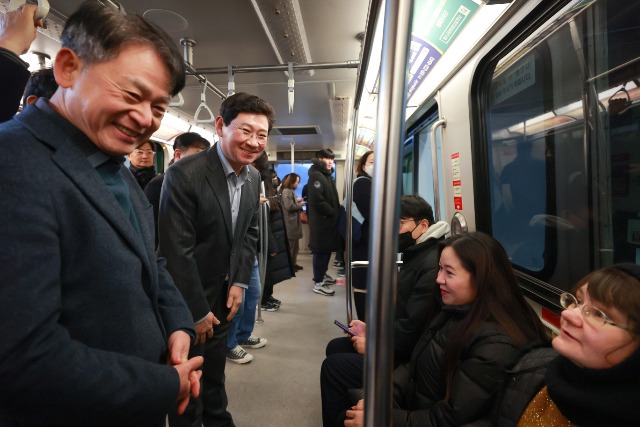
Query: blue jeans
[244, 320]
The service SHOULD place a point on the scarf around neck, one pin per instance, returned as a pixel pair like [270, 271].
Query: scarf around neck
[596, 397]
[143, 175]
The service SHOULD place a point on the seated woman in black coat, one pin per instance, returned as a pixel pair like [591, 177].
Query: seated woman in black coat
[479, 323]
[595, 381]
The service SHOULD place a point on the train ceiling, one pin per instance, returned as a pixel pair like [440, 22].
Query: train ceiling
[244, 33]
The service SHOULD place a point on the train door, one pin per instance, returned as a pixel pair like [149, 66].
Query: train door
[559, 120]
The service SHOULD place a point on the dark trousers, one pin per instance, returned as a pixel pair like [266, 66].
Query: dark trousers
[320, 265]
[267, 292]
[341, 371]
[210, 409]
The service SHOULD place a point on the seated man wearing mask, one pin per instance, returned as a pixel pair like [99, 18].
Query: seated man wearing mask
[419, 236]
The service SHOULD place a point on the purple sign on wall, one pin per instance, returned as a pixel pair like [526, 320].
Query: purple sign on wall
[422, 57]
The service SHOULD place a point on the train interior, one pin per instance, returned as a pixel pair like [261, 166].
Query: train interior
[552, 165]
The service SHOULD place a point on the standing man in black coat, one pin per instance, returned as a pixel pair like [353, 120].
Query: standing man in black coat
[323, 209]
[208, 228]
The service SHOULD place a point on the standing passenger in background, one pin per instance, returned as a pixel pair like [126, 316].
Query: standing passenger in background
[17, 32]
[184, 145]
[93, 330]
[208, 226]
[323, 208]
[279, 266]
[41, 84]
[142, 163]
[360, 249]
[292, 206]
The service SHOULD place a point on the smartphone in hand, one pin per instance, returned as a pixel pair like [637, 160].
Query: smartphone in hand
[344, 328]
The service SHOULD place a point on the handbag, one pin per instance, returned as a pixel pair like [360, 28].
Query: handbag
[303, 218]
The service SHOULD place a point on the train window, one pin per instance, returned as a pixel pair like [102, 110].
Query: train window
[562, 116]
[302, 169]
[408, 167]
[424, 175]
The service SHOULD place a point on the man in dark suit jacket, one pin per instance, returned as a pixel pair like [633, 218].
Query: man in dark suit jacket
[94, 332]
[208, 228]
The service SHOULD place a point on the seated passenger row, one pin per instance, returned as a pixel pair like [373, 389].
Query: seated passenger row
[484, 358]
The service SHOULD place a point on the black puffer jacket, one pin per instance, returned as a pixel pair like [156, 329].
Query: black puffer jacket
[524, 381]
[279, 266]
[420, 387]
[323, 208]
[416, 281]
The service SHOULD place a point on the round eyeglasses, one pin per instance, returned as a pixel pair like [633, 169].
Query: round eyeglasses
[149, 153]
[260, 136]
[591, 314]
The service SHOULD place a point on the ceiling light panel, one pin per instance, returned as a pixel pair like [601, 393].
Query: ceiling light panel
[283, 24]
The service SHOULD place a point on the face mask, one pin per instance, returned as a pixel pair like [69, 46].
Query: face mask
[368, 169]
[406, 240]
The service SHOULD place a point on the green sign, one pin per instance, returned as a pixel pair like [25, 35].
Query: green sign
[436, 23]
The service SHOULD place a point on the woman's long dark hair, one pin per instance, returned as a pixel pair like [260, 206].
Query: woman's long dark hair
[290, 180]
[498, 298]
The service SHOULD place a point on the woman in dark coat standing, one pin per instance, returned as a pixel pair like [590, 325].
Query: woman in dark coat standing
[360, 249]
[291, 208]
[279, 266]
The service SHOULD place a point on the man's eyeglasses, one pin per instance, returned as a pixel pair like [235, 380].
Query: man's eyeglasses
[141, 152]
[593, 315]
[260, 136]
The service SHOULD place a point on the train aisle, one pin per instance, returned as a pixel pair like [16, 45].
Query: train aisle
[281, 386]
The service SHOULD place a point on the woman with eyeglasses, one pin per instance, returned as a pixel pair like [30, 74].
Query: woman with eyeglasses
[479, 322]
[595, 379]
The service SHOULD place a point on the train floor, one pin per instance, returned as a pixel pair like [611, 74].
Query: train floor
[281, 386]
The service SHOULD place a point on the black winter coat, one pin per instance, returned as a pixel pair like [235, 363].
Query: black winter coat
[524, 381]
[360, 250]
[420, 387]
[416, 281]
[323, 208]
[279, 267]
[14, 74]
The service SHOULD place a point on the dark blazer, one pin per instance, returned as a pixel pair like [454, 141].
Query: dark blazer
[14, 75]
[195, 229]
[86, 307]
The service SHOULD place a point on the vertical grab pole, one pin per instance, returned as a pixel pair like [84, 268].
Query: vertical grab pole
[348, 191]
[293, 154]
[263, 223]
[434, 167]
[382, 275]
